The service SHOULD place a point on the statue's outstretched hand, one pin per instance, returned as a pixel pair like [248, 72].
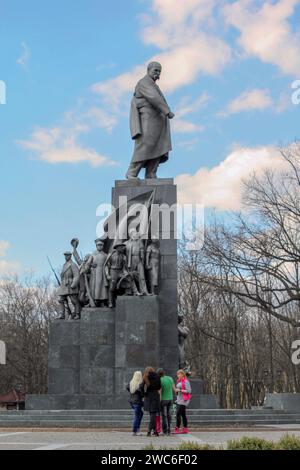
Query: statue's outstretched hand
[75, 242]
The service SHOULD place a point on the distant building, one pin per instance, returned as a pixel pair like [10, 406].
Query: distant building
[13, 400]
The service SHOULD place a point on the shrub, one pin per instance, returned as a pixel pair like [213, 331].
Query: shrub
[251, 443]
[289, 442]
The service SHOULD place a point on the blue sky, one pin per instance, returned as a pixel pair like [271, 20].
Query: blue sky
[70, 68]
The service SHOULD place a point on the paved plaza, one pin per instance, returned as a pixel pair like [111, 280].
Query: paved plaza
[115, 440]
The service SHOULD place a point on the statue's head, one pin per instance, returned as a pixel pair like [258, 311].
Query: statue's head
[133, 234]
[154, 70]
[67, 255]
[119, 247]
[99, 244]
[155, 240]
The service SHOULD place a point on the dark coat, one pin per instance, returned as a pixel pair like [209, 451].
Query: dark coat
[70, 278]
[152, 398]
[136, 398]
[98, 280]
[150, 127]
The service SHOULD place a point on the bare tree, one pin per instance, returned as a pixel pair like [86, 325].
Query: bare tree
[257, 256]
[26, 308]
[240, 294]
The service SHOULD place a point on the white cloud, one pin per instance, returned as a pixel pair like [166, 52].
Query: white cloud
[189, 106]
[256, 100]
[249, 100]
[97, 117]
[172, 23]
[25, 56]
[220, 186]
[284, 102]
[186, 107]
[59, 145]
[7, 267]
[181, 126]
[180, 31]
[265, 31]
[4, 246]
[113, 90]
[189, 144]
[181, 66]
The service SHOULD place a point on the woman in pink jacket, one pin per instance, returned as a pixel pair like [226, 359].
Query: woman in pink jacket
[184, 395]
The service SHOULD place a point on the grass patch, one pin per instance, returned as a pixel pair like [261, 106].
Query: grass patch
[287, 442]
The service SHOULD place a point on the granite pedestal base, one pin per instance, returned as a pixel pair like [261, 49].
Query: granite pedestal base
[91, 361]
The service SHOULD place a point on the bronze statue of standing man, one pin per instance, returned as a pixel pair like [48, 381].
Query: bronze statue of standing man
[69, 288]
[98, 280]
[149, 125]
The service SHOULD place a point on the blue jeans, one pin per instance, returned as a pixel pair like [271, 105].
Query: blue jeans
[138, 416]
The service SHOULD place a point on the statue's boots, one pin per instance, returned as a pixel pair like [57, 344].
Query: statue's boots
[77, 311]
[135, 290]
[110, 299]
[62, 315]
[133, 171]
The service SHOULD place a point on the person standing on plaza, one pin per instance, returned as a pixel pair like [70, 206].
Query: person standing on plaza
[152, 387]
[167, 389]
[184, 395]
[135, 387]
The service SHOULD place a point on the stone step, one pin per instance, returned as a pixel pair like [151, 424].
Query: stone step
[115, 424]
[123, 418]
[121, 412]
[128, 414]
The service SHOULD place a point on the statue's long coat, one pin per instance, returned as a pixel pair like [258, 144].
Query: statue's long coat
[70, 276]
[98, 280]
[149, 124]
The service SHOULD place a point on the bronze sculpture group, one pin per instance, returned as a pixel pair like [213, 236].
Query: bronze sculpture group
[130, 269]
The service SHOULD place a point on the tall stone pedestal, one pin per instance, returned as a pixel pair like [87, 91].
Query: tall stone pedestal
[165, 193]
[92, 360]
